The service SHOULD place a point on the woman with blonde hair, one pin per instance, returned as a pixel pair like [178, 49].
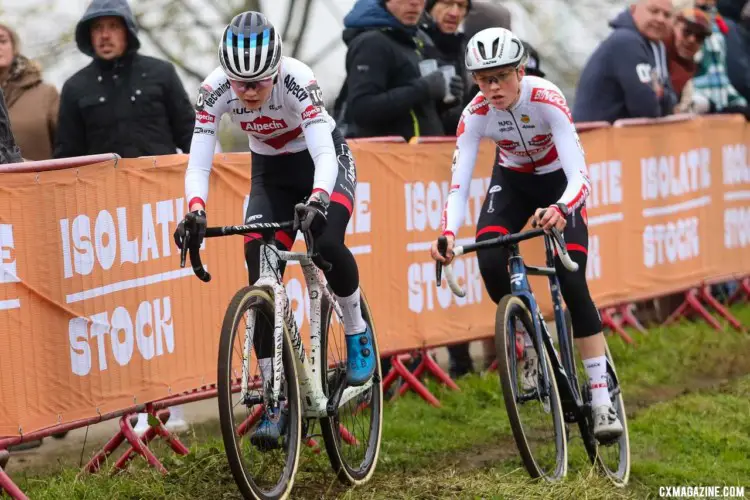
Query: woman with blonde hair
[32, 104]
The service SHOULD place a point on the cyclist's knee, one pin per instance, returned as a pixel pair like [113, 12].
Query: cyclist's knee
[494, 270]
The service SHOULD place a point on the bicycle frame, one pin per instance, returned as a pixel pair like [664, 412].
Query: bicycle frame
[314, 401]
[564, 373]
[563, 367]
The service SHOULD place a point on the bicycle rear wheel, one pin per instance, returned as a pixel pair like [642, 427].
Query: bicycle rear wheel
[543, 456]
[266, 474]
[353, 435]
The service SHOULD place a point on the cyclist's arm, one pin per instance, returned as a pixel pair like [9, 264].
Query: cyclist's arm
[569, 150]
[469, 135]
[203, 144]
[317, 129]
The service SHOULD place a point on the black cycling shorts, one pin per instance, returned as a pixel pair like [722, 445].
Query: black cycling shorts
[513, 197]
[280, 182]
[511, 200]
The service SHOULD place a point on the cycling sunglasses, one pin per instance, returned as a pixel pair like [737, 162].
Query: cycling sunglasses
[258, 84]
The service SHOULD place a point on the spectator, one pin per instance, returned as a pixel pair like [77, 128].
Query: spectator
[32, 104]
[691, 28]
[384, 92]
[9, 151]
[712, 79]
[485, 15]
[440, 23]
[122, 102]
[627, 75]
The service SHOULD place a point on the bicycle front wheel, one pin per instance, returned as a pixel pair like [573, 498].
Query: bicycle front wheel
[533, 404]
[613, 458]
[261, 471]
[352, 436]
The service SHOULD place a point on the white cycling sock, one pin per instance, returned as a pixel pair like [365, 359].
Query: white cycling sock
[354, 324]
[596, 369]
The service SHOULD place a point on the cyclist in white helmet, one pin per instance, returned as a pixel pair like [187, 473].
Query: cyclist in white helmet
[539, 166]
[298, 155]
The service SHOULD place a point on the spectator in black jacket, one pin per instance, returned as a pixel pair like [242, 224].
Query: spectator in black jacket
[627, 76]
[384, 93]
[446, 44]
[123, 102]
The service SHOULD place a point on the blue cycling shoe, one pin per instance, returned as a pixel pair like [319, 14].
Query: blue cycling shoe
[361, 358]
[268, 433]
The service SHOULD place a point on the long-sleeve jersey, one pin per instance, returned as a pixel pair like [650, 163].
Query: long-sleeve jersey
[536, 136]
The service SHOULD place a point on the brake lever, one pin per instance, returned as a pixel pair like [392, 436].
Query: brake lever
[183, 249]
[442, 246]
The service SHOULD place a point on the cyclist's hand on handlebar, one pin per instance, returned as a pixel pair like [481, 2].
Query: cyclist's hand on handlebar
[313, 215]
[435, 254]
[196, 223]
[550, 217]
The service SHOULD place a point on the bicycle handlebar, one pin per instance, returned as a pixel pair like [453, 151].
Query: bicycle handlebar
[264, 228]
[502, 240]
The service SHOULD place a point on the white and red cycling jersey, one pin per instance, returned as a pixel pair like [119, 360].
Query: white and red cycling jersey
[292, 120]
[535, 136]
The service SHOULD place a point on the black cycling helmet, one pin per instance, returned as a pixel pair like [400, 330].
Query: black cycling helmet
[250, 48]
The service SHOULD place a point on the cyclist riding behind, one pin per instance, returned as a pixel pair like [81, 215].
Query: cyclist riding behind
[298, 154]
[539, 167]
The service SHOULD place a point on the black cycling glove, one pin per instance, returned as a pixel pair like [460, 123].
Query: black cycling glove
[196, 223]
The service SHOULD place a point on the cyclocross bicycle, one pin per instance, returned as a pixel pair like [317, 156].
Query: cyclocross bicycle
[297, 390]
[558, 396]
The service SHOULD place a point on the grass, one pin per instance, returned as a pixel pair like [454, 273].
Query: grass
[687, 391]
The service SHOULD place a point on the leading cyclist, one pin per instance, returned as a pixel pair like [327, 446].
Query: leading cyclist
[539, 167]
[298, 154]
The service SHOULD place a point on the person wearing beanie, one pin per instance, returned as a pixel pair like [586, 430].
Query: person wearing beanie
[486, 14]
[446, 44]
[385, 92]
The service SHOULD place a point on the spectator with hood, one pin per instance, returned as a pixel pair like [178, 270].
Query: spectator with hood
[627, 75]
[384, 93]
[122, 102]
[447, 44]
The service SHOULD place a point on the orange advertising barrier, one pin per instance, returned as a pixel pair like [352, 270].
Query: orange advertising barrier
[96, 315]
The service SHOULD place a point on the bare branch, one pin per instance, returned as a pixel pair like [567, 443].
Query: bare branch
[197, 19]
[289, 16]
[322, 53]
[147, 30]
[303, 28]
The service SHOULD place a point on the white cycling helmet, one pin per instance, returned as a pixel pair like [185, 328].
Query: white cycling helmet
[250, 48]
[494, 48]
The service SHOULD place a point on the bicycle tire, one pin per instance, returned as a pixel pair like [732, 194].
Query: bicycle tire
[347, 473]
[621, 476]
[262, 300]
[513, 307]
